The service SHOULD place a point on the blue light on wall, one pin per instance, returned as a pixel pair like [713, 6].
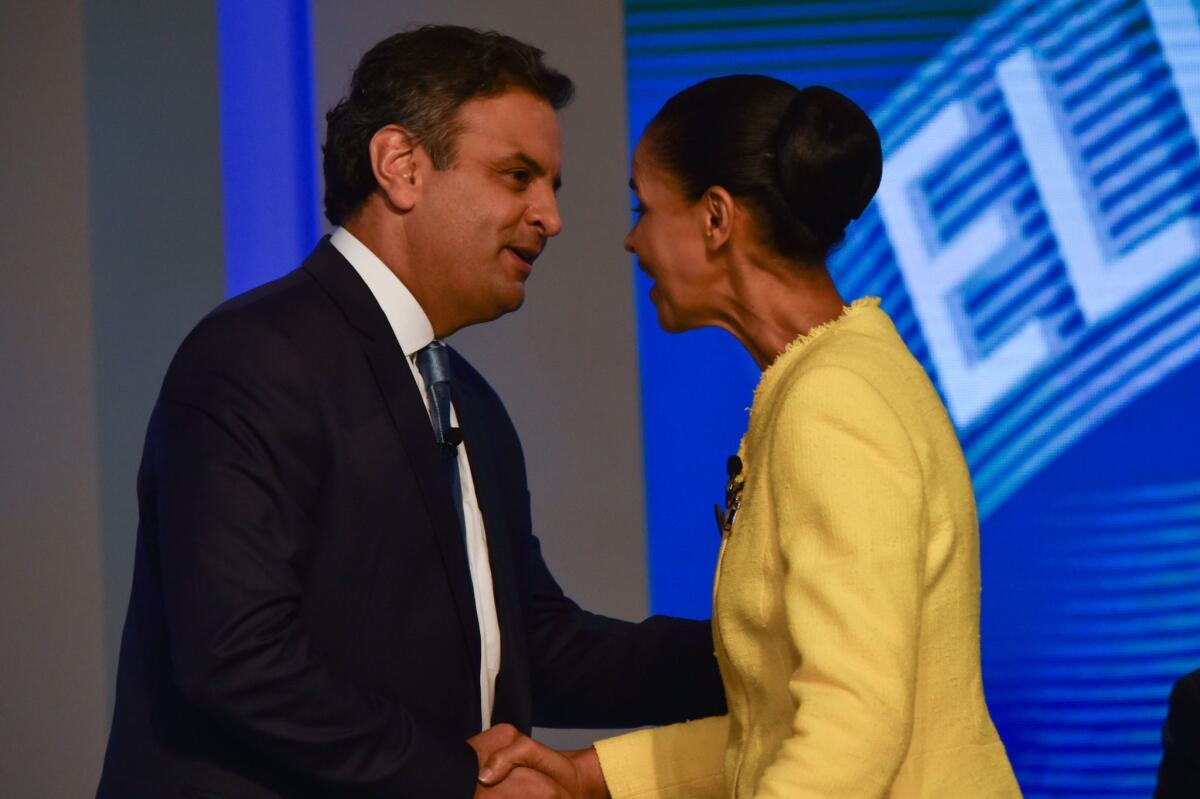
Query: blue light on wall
[1037, 240]
[268, 145]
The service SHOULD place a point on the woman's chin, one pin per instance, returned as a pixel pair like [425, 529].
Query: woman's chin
[668, 318]
[668, 321]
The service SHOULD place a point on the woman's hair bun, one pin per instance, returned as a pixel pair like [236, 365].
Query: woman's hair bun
[804, 162]
[828, 158]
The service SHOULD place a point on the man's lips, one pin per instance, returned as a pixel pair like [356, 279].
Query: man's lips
[526, 254]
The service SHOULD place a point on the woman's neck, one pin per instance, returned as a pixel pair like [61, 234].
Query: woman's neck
[774, 303]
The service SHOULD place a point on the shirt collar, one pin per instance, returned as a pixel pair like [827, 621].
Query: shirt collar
[409, 322]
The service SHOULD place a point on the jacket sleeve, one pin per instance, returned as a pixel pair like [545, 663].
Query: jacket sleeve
[588, 670]
[236, 456]
[680, 761]
[593, 671]
[847, 494]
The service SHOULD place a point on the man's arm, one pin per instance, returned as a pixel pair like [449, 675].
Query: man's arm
[237, 442]
[589, 670]
[593, 671]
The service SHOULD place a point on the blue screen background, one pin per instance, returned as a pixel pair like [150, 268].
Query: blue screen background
[1037, 241]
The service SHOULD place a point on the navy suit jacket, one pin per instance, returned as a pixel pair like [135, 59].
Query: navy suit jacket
[302, 621]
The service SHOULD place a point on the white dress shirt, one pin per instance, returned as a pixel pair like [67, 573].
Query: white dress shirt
[414, 331]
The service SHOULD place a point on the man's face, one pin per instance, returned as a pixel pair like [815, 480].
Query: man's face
[482, 221]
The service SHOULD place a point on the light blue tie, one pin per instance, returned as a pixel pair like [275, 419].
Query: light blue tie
[434, 363]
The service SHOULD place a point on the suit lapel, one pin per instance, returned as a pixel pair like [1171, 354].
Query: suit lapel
[510, 705]
[408, 414]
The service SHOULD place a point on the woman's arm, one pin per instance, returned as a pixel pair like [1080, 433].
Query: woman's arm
[848, 497]
[681, 761]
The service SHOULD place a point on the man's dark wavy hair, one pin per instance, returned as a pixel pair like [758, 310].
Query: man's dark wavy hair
[418, 79]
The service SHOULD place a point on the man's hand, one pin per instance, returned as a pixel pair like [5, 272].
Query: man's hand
[507, 755]
[522, 782]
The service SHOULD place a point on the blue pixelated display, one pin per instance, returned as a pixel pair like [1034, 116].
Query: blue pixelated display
[1037, 240]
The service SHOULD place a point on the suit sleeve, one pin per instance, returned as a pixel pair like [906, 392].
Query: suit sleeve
[847, 494]
[593, 671]
[236, 460]
[588, 670]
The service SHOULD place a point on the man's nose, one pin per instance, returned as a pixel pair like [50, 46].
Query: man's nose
[628, 243]
[543, 214]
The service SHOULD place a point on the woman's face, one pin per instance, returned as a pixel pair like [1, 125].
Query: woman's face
[668, 238]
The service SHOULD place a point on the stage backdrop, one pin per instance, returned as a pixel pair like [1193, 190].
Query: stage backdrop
[1037, 240]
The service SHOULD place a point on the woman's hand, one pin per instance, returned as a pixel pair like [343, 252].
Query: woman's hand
[578, 772]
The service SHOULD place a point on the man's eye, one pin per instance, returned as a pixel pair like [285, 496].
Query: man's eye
[639, 209]
[521, 176]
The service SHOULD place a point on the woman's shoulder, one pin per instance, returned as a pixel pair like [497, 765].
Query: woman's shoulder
[866, 342]
[861, 351]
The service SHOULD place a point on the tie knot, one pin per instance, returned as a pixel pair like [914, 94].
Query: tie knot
[434, 362]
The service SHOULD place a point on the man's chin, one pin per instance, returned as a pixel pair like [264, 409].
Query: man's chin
[516, 303]
[514, 298]
[506, 304]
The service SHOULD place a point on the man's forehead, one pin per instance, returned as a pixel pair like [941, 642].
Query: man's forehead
[516, 121]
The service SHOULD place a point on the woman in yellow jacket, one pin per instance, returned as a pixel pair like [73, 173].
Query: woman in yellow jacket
[846, 600]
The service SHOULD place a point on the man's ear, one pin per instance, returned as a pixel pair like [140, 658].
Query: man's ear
[399, 165]
[718, 207]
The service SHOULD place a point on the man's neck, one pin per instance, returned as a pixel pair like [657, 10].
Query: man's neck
[389, 244]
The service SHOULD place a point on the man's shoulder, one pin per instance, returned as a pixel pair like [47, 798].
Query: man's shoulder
[289, 299]
[270, 328]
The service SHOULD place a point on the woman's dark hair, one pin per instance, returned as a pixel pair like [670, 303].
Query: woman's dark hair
[806, 161]
[418, 79]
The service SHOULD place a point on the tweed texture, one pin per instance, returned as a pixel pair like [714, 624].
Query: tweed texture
[846, 599]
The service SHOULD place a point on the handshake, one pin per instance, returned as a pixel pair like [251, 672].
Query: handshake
[514, 765]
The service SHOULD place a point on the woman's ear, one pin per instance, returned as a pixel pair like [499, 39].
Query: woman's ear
[718, 208]
[399, 165]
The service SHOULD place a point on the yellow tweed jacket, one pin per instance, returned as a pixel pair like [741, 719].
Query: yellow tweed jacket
[846, 600]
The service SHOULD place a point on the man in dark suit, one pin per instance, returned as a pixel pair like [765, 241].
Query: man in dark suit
[337, 591]
[1179, 772]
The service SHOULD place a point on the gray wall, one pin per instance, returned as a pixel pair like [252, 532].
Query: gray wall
[52, 699]
[112, 219]
[157, 249]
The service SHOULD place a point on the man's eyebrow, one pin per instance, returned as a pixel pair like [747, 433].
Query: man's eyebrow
[632, 185]
[536, 168]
